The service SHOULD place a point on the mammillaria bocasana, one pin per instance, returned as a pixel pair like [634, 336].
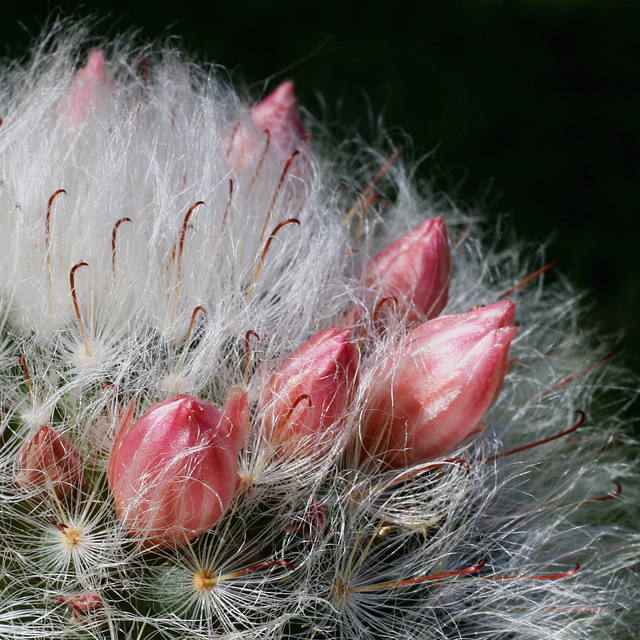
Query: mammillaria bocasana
[436, 456]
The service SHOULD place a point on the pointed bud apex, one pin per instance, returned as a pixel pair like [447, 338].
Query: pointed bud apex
[414, 270]
[48, 461]
[432, 392]
[278, 114]
[89, 88]
[173, 472]
[277, 120]
[84, 606]
[305, 398]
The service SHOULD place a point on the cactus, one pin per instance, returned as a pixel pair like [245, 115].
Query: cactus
[163, 237]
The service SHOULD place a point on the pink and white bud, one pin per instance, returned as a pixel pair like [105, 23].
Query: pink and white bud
[433, 391]
[277, 120]
[304, 400]
[47, 461]
[414, 272]
[278, 114]
[89, 88]
[84, 606]
[173, 473]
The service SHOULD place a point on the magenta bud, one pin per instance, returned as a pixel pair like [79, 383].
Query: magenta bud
[84, 606]
[89, 87]
[304, 400]
[173, 473]
[48, 461]
[434, 389]
[278, 121]
[278, 114]
[414, 271]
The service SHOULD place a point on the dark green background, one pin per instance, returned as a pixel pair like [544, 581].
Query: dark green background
[532, 107]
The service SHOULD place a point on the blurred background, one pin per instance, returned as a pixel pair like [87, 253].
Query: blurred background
[525, 107]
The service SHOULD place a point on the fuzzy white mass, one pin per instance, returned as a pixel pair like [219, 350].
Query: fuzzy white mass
[157, 135]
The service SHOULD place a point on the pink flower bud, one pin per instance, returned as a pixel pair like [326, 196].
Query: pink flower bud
[89, 88]
[48, 461]
[414, 270]
[432, 392]
[277, 120]
[304, 399]
[84, 606]
[173, 472]
[278, 114]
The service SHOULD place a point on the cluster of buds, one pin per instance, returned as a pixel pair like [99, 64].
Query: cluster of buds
[173, 473]
[226, 425]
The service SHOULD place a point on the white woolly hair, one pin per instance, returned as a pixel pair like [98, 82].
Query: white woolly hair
[479, 545]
